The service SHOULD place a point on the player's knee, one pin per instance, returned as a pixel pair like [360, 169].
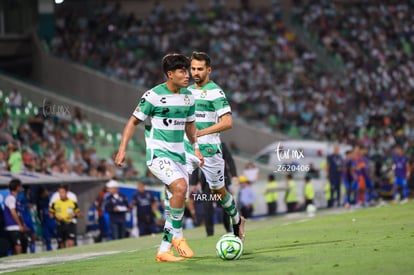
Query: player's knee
[179, 188]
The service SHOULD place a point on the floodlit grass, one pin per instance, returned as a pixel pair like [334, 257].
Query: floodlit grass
[367, 241]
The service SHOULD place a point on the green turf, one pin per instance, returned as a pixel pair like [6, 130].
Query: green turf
[367, 241]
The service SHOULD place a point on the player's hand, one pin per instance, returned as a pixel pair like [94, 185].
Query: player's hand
[120, 158]
[200, 156]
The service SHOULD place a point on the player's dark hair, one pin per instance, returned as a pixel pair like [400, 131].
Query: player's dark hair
[14, 184]
[201, 56]
[174, 61]
[64, 186]
[271, 177]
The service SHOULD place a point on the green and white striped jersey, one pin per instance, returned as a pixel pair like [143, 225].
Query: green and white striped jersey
[168, 113]
[210, 104]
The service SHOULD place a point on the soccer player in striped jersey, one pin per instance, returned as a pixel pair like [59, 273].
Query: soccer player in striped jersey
[213, 115]
[170, 108]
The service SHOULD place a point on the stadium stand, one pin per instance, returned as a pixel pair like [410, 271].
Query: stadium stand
[60, 141]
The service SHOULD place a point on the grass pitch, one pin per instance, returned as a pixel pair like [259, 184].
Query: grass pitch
[366, 241]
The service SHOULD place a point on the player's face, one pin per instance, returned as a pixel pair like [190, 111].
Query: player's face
[62, 194]
[200, 71]
[179, 77]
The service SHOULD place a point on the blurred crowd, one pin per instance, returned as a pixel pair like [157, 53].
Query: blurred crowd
[250, 49]
[51, 142]
[268, 76]
[373, 41]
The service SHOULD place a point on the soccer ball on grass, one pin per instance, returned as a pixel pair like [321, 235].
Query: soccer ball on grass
[229, 247]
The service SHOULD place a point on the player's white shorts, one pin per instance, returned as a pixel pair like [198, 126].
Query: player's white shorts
[167, 170]
[213, 170]
[192, 162]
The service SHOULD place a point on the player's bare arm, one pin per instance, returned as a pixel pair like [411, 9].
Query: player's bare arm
[225, 122]
[190, 131]
[126, 136]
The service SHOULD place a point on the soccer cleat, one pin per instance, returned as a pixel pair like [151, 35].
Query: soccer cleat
[167, 257]
[182, 248]
[238, 229]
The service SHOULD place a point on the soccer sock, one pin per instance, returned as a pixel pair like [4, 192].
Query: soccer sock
[48, 245]
[168, 232]
[229, 207]
[32, 247]
[177, 221]
[405, 191]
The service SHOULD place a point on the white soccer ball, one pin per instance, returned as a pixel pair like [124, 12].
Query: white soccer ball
[229, 247]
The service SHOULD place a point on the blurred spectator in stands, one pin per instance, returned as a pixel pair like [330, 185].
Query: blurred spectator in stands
[16, 99]
[129, 169]
[36, 124]
[102, 168]
[78, 170]
[44, 167]
[251, 172]
[76, 157]
[116, 205]
[28, 160]
[14, 162]
[6, 129]
[3, 161]
[246, 198]
[23, 133]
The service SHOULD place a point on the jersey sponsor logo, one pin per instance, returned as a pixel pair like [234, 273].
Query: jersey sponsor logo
[200, 115]
[167, 121]
[142, 101]
[163, 100]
